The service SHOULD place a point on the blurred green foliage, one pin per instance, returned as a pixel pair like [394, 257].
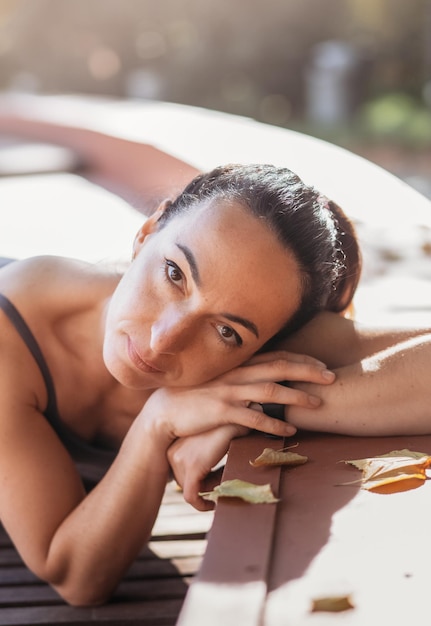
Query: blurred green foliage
[398, 117]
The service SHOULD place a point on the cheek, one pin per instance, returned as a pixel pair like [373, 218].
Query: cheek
[203, 364]
[137, 294]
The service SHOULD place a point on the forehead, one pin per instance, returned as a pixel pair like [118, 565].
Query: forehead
[218, 218]
[241, 262]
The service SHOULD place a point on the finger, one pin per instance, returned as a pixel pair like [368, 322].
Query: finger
[294, 357]
[200, 504]
[207, 484]
[191, 495]
[273, 393]
[280, 369]
[257, 420]
[255, 406]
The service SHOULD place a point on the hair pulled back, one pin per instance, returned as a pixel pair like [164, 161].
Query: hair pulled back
[312, 227]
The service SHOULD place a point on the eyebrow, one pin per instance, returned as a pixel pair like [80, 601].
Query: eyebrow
[243, 321]
[190, 257]
[192, 262]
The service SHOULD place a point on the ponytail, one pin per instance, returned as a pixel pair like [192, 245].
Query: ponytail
[347, 281]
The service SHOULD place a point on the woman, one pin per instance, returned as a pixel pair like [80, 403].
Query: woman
[93, 362]
[165, 362]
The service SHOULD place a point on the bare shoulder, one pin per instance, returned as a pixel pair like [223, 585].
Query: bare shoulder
[52, 295]
[326, 325]
[328, 336]
[53, 277]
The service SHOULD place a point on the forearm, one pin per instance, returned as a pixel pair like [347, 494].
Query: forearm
[338, 341]
[100, 538]
[385, 394]
[136, 170]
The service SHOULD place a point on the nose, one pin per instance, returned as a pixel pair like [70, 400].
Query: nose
[170, 332]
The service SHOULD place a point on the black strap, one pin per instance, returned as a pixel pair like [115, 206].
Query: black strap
[20, 324]
[81, 450]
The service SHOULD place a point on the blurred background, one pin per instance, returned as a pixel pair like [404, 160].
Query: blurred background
[355, 72]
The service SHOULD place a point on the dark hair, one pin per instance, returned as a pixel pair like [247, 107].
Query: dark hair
[314, 228]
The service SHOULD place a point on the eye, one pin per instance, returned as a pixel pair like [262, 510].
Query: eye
[228, 335]
[173, 272]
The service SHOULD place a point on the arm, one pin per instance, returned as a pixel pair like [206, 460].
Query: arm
[193, 458]
[135, 170]
[81, 544]
[339, 341]
[388, 393]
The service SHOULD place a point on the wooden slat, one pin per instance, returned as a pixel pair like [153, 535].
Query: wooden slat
[151, 592]
[326, 538]
[230, 588]
[155, 613]
[179, 520]
[151, 589]
[9, 557]
[176, 548]
[17, 576]
[336, 539]
[164, 568]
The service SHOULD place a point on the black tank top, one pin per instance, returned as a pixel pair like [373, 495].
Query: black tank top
[92, 461]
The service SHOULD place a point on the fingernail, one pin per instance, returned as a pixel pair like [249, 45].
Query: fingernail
[328, 375]
[314, 400]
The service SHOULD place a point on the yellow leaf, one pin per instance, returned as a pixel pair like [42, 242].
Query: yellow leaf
[256, 494]
[278, 457]
[333, 604]
[398, 470]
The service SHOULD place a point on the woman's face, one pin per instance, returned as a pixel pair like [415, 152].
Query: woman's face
[203, 294]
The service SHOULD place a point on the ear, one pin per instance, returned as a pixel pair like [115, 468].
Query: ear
[149, 226]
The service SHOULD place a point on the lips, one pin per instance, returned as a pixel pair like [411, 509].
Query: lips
[144, 365]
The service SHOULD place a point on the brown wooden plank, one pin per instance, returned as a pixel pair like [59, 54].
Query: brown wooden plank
[332, 539]
[230, 588]
[142, 569]
[179, 520]
[176, 548]
[9, 557]
[155, 568]
[155, 613]
[185, 526]
[17, 576]
[136, 590]
[164, 568]
[4, 538]
[152, 591]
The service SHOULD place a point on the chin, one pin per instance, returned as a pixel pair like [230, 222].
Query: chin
[121, 373]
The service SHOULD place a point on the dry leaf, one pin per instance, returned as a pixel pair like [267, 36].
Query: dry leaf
[278, 457]
[256, 494]
[333, 604]
[398, 470]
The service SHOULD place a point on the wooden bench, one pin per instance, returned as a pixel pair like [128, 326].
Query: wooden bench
[151, 593]
[265, 563]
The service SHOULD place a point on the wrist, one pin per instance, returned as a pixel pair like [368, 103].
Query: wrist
[154, 418]
[146, 445]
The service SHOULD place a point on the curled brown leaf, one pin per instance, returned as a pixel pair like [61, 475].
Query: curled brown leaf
[270, 456]
[332, 604]
[255, 494]
[395, 471]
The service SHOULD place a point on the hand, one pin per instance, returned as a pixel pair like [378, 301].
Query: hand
[193, 458]
[228, 399]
